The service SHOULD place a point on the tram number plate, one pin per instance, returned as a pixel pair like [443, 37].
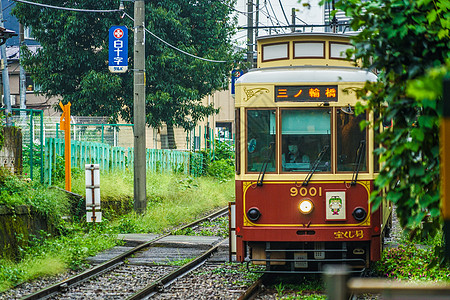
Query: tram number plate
[300, 259]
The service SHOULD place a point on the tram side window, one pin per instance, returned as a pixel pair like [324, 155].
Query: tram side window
[305, 134]
[349, 137]
[261, 133]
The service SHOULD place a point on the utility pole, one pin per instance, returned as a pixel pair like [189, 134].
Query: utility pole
[22, 76]
[140, 190]
[5, 75]
[293, 20]
[250, 32]
[256, 23]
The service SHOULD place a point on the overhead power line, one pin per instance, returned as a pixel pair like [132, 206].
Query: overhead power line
[118, 10]
[67, 8]
[284, 13]
[246, 12]
[175, 48]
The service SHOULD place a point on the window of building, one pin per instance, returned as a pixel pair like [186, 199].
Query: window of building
[30, 85]
[27, 32]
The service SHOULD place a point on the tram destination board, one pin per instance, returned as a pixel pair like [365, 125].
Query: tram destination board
[306, 93]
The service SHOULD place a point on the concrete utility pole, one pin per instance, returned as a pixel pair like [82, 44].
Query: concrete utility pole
[140, 190]
[5, 75]
[256, 24]
[250, 32]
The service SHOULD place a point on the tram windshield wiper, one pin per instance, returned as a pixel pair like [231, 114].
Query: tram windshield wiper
[359, 159]
[262, 172]
[315, 165]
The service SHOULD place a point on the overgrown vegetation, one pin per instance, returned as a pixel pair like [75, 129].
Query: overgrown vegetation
[410, 261]
[403, 41]
[174, 199]
[219, 164]
[15, 191]
[298, 287]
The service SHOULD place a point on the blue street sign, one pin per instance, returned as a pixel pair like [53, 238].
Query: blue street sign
[235, 74]
[118, 49]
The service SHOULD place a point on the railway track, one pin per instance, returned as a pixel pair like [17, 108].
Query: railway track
[117, 279]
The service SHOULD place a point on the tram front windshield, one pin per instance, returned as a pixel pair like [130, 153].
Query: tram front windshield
[305, 133]
[261, 134]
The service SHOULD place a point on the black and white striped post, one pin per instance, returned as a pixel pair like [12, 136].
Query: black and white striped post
[92, 179]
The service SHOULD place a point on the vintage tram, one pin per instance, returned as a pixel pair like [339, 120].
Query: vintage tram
[304, 167]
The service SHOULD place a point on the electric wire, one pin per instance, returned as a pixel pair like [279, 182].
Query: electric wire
[8, 6]
[274, 14]
[245, 12]
[117, 10]
[175, 48]
[67, 8]
[284, 13]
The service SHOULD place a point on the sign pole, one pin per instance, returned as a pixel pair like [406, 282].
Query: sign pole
[140, 191]
[65, 125]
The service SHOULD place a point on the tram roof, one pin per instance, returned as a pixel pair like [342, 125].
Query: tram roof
[305, 34]
[306, 74]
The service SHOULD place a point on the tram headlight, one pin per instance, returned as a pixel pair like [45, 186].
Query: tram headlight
[253, 214]
[359, 214]
[306, 206]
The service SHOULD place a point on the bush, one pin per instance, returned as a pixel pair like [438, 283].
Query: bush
[221, 169]
[412, 263]
[15, 191]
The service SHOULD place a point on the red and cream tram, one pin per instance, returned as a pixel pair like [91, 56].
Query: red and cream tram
[304, 168]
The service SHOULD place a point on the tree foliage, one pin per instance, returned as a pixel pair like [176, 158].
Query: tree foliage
[73, 61]
[403, 40]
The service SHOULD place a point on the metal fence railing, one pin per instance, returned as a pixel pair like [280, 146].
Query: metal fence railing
[118, 158]
[105, 144]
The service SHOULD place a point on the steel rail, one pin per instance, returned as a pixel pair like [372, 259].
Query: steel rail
[169, 278]
[253, 289]
[110, 264]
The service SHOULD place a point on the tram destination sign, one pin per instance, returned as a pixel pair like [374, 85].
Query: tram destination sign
[306, 93]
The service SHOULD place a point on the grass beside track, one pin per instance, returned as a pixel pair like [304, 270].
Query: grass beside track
[172, 200]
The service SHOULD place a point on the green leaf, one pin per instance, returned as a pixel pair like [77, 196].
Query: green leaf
[418, 135]
[427, 121]
[432, 16]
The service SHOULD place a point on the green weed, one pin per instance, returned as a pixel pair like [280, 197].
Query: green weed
[411, 262]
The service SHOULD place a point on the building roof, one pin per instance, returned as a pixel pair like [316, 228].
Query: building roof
[12, 52]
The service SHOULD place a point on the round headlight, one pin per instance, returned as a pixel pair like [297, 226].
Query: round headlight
[359, 214]
[306, 206]
[253, 214]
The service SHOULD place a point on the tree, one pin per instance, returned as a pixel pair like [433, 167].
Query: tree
[72, 63]
[403, 40]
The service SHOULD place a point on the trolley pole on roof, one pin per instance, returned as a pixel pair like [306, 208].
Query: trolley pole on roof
[140, 191]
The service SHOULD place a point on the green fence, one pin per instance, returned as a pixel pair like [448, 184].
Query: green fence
[118, 158]
[31, 122]
[105, 144]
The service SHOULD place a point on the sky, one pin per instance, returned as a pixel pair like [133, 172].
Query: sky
[271, 13]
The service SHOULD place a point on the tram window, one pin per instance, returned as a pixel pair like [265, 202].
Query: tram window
[349, 136]
[261, 133]
[305, 133]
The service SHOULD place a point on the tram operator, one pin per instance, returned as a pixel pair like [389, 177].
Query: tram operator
[293, 159]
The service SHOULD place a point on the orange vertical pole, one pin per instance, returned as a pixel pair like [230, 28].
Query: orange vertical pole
[64, 124]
